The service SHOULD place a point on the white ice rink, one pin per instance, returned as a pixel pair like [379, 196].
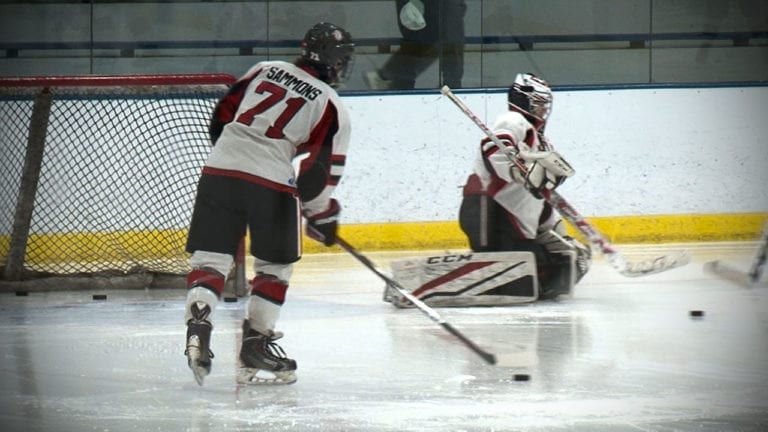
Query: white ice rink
[622, 355]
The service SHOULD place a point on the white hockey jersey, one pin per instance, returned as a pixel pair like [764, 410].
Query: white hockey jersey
[272, 114]
[492, 176]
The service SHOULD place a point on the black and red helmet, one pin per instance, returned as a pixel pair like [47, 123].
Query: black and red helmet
[328, 48]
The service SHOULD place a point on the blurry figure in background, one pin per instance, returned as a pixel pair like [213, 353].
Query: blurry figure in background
[733, 15]
[273, 113]
[432, 30]
[502, 208]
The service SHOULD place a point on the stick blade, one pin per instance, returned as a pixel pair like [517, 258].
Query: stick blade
[656, 265]
[520, 359]
[724, 271]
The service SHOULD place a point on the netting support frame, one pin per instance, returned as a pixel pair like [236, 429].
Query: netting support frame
[25, 204]
[15, 277]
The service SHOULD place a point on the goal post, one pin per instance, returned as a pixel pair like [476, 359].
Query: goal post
[99, 176]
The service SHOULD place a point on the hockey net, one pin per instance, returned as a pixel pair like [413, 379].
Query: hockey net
[99, 173]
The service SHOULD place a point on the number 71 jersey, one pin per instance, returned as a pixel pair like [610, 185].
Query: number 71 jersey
[273, 113]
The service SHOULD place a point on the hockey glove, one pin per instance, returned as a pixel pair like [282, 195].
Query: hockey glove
[544, 170]
[322, 226]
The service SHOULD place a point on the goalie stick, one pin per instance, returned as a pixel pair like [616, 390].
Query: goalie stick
[488, 357]
[758, 264]
[755, 269]
[597, 239]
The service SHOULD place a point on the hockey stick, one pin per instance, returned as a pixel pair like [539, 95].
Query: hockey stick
[614, 257]
[758, 264]
[755, 269]
[488, 357]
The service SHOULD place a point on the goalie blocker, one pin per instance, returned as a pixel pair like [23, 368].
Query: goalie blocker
[476, 279]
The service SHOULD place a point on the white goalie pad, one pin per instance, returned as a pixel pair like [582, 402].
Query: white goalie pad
[469, 279]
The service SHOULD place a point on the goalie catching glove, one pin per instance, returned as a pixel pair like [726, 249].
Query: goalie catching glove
[544, 170]
[323, 226]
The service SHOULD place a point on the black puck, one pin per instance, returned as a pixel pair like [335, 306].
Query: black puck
[230, 299]
[521, 377]
[696, 313]
[99, 296]
[22, 293]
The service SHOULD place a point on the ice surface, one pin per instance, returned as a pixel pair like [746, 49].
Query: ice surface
[621, 355]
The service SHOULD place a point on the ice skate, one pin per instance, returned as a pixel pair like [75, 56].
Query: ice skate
[262, 361]
[198, 352]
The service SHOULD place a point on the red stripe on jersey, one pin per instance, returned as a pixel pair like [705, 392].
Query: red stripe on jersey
[249, 178]
[225, 109]
[236, 95]
[497, 183]
[455, 274]
[490, 150]
[269, 288]
[315, 170]
[321, 135]
[214, 281]
[474, 186]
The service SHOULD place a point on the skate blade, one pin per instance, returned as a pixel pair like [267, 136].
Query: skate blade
[193, 360]
[251, 376]
[199, 374]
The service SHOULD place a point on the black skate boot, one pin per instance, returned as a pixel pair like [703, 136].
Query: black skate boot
[198, 352]
[260, 353]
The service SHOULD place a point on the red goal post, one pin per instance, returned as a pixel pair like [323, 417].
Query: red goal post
[99, 176]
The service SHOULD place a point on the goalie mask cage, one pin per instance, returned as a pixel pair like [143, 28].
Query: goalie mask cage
[99, 176]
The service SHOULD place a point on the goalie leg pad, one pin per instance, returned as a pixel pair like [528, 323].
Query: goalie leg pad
[471, 279]
[560, 276]
[556, 242]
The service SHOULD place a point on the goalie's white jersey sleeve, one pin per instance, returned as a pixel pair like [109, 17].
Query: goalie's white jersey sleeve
[492, 176]
[275, 112]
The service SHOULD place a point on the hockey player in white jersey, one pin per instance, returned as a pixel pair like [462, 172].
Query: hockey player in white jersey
[272, 114]
[502, 208]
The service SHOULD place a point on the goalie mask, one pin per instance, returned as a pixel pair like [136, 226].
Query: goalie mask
[328, 49]
[531, 95]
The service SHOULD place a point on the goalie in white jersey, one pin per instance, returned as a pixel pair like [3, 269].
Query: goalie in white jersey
[274, 113]
[502, 208]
